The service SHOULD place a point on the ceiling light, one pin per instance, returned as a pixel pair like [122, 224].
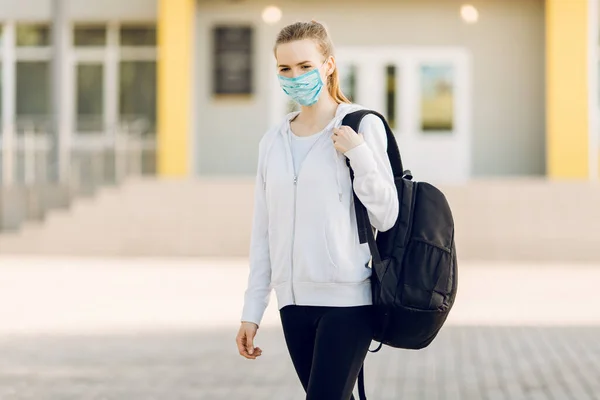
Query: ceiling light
[271, 15]
[469, 14]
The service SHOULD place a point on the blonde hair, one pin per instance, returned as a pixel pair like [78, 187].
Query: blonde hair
[315, 31]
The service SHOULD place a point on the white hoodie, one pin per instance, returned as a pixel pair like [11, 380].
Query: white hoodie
[304, 241]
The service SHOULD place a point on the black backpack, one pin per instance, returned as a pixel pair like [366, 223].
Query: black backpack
[414, 277]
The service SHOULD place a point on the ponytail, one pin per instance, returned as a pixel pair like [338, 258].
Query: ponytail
[333, 84]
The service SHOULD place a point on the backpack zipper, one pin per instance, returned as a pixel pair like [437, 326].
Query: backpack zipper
[412, 207]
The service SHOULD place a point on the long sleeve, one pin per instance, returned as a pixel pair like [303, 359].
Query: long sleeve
[258, 291]
[373, 176]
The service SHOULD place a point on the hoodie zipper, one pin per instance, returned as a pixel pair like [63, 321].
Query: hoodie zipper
[296, 174]
[295, 182]
[294, 234]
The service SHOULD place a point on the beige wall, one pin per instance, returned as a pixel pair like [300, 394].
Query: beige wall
[507, 47]
[85, 10]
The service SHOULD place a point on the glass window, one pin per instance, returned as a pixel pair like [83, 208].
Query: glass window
[390, 95]
[1, 97]
[90, 97]
[33, 90]
[348, 81]
[138, 35]
[1, 102]
[437, 98]
[137, 96]
[89, 35]
[232, 60]
[33, 35]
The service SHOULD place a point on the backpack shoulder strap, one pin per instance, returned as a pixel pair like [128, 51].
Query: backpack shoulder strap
[362, 395]
[354, 119]
[365, 229]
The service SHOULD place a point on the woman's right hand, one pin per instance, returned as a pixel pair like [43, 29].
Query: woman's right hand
[245, 341]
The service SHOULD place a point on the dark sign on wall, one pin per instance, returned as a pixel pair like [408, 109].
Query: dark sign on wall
[233, 60]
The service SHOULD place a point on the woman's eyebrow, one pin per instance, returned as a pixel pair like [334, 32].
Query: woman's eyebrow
[300, 63]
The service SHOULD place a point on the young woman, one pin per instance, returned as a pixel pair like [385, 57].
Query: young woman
[304, 240]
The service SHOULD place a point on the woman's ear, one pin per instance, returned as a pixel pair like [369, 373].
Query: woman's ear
[330, 66]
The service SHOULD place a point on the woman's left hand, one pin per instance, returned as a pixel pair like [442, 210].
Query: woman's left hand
[345, 139]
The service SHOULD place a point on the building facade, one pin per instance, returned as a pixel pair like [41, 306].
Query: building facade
[487, 89]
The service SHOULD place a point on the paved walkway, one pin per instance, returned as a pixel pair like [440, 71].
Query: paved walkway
[464, 363]
[164, 330]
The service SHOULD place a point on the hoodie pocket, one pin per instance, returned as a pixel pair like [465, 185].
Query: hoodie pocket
[344, 254]
[331, 261]
[313, 263]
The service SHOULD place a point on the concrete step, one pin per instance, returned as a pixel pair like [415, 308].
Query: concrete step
[526, 219]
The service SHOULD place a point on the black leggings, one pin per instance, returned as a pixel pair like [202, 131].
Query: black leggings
[328, 346]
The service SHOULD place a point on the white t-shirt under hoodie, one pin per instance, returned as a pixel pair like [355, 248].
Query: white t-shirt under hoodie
[304, 241]
[301, 146]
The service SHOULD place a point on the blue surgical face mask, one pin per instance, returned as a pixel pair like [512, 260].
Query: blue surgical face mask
[304, 89]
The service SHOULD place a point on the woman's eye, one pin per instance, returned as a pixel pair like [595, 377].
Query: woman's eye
[306, 67]
[284, 70]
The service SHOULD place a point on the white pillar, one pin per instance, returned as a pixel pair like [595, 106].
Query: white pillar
[8, 105]
[111, 80]
[60, 88]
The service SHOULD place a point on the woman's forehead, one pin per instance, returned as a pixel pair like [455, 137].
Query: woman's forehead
[297, 51]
